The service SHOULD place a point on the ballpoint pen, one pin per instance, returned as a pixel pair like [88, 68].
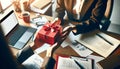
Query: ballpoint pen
[105, 39]
[81, 66]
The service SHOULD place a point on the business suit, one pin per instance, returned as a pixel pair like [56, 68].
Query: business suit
[90, 15]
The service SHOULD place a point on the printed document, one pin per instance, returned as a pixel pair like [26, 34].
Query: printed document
[78, 48]
[33, 62]
[72, 63]
[99, 42]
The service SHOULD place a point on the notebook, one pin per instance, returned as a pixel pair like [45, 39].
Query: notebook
[16, 35]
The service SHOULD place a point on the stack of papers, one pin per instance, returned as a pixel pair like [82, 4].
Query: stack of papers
[40, 6]
[99, 42]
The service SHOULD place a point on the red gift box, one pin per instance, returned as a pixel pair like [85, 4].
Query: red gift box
[50, 32]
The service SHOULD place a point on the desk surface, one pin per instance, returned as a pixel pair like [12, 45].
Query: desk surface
[67, 50]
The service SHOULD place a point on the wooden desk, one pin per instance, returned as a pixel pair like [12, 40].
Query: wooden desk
[67, 50]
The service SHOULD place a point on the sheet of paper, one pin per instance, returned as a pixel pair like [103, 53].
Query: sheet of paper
[42, 48]
[33, 62]
[85, 62]
[70, 40]
[69, 63]
[81, 50]
[96, 59]
[66, 63]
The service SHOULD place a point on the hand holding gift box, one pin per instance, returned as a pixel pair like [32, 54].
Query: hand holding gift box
[50, 32]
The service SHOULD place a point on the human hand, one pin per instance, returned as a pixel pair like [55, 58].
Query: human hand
[55, 46]
[51, 49]
[67, 30]
[56, 21]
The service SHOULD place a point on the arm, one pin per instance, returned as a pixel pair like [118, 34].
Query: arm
[28, 51]
[24, 54]
[90, 20]
[94, 20]
[60, 10]
[49, 61]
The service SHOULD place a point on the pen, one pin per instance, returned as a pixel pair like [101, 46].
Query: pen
[81, 67]
[104, 39]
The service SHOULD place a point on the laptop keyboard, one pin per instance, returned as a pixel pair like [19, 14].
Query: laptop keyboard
[21, 36]
[17, 34]
[25, 38]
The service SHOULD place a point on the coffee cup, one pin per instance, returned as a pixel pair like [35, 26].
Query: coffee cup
[26, 17]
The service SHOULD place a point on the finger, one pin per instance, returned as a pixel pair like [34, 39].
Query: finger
[62, 39]
[65, 34]
[56, 46]
[65, 29]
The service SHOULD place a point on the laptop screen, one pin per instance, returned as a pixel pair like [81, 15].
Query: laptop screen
[8, 22]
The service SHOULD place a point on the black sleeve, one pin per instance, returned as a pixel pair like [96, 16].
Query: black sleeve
[24, 54]
[48, 63]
